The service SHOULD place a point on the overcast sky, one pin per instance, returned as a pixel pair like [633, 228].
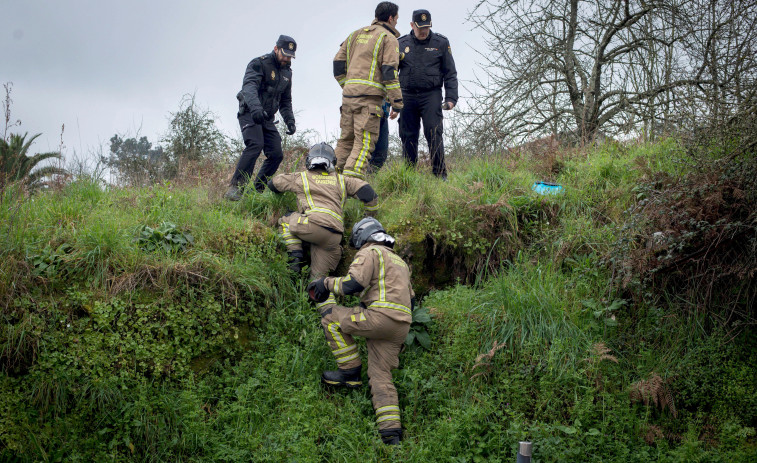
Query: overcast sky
[104, 67]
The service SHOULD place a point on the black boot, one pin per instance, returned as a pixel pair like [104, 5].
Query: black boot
[296, 258]
[234, 193]
[391, 436]
[343, 378]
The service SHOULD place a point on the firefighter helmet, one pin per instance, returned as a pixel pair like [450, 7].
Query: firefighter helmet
[369, 229]
[321, 155]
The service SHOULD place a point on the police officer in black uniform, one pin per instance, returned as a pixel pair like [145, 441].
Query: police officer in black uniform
[266, 88]
[426, 64]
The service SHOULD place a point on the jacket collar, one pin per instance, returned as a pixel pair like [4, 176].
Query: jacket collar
[424, 41]
[275, 59]
[386, 26]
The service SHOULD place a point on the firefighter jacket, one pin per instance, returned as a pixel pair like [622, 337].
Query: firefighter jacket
[366, 64]
[267, 86]
[382, 277]
[427, 65]
[321, 195]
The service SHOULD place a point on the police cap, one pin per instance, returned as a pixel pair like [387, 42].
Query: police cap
[422, 18]
[287, 45]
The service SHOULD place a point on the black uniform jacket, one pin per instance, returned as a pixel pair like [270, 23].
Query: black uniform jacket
[427, 64]
[267, 85]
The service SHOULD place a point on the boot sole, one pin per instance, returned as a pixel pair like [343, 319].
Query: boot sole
[348, 384]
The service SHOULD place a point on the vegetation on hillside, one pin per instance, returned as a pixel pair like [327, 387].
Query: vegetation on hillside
[147, 319]
[159, 323]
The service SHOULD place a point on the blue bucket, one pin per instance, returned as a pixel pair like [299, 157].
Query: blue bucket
[546, 188]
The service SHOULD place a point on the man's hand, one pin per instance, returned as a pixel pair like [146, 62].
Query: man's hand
[317, 291]
[448, 105]
[291, 128]
[393, 115]
[259, 116]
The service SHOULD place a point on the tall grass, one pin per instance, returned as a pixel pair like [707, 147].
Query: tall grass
[110, 352]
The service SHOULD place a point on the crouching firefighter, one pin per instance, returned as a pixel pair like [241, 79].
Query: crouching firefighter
[382, 279]
[321, 193]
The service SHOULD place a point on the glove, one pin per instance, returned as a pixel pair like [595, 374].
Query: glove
[259, 116]
[447, 105]
[291, 128]
[317, 291]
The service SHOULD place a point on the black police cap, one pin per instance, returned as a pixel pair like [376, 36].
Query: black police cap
[287, 45]
[422, 18]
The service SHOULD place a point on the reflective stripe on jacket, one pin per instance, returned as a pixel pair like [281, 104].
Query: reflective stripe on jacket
[386, 279]
[321, 195]
[366, 63]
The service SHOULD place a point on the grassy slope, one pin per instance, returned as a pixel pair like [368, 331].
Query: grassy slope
[111, 353]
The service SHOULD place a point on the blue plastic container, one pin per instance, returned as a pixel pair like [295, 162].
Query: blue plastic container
[546, 188]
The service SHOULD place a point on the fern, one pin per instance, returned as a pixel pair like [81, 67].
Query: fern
[655, 391]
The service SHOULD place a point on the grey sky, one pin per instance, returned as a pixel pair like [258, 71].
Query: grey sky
[105, 67]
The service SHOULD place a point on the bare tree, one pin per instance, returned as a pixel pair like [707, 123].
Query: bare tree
[610, 66]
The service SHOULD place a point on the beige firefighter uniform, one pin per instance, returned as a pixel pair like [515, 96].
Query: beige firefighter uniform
[320, 201]
[383, 318]
[366, 68]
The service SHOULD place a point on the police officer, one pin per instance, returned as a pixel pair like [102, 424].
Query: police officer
[321, 193]
[366, 68]
[382, 279]
[266, 88]
[426, 65]
[381, 150]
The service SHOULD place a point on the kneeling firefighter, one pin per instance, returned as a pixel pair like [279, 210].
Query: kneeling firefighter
[321, 193]
[382, 279]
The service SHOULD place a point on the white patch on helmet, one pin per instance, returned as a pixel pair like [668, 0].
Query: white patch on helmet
[321, 161]
[381, 237]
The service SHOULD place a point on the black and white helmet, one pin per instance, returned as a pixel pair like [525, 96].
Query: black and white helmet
[369, 229]
[321, 155]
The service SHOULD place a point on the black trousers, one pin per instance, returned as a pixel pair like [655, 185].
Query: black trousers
[426, 107]
[378, 157]
[257, 137]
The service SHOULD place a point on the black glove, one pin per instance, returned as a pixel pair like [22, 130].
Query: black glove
[291, 128]
[259, 116]
[317, 291]
[447, 105]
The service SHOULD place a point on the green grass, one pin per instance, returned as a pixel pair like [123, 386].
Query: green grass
[113, 353]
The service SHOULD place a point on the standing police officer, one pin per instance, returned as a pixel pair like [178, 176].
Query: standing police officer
[426, 65]
[266, 88]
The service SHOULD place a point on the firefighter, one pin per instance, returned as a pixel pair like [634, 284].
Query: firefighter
[426, 66]
[382, 279]
[321, 193]
[366, 68]
[266, 88]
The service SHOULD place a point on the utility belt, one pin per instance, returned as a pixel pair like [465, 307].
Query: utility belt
[419, 91]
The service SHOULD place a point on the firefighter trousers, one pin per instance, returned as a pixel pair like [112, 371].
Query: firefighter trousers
[325, 244]
[360, 121]
[384, 339]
